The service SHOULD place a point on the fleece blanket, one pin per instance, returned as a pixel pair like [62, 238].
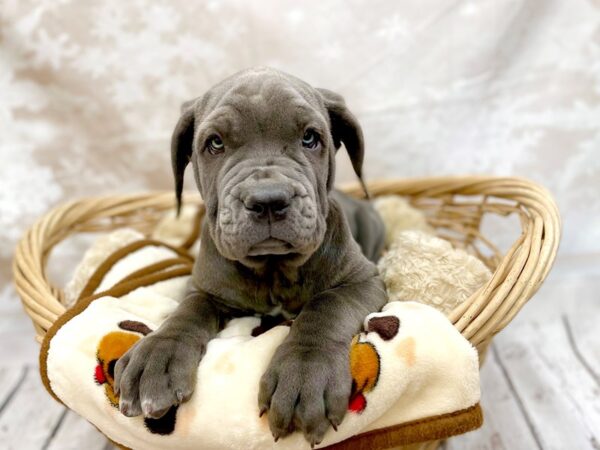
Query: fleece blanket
[415, 378]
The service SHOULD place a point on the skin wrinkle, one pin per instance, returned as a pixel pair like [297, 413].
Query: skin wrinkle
[326, 282]
[233, 230]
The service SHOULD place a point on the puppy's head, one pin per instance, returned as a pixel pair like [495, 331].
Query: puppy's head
[262, 144]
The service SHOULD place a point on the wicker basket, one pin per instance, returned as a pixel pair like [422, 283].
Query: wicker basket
[455, 207]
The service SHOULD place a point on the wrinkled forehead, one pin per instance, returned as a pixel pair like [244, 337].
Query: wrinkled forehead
[265, 104]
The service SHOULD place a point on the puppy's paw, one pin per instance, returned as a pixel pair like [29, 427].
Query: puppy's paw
[306, 389]
[155, 374]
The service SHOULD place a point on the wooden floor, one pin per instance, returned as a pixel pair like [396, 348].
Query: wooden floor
[540, 382]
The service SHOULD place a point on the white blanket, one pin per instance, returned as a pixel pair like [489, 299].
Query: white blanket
[411, 362]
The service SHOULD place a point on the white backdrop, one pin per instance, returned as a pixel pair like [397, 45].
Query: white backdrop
[90, 91]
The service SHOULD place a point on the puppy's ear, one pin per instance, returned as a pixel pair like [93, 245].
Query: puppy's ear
[345, 128]
[181, 147]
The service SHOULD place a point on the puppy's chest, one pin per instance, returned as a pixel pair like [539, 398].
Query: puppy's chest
[279, 295]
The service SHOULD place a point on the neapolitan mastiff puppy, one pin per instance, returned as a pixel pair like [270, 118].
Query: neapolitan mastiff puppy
[275, 240]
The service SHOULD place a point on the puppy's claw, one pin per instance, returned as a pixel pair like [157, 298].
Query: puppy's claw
[262, 411]
[275, 437]
[333, 425]
[335, 420]
[179, 396]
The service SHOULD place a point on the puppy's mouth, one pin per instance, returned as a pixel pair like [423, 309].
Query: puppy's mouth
[271, 246]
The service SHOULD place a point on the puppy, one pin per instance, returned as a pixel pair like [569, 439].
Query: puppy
[275, 240]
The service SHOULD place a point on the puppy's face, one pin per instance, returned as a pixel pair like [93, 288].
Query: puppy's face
[263, 144]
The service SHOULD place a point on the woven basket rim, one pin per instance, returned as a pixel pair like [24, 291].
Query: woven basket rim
[518, 275]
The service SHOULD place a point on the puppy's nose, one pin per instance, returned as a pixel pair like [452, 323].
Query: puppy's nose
[268, 201]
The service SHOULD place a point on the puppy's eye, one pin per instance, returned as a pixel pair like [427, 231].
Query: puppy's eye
[310, 139]
[215, 145]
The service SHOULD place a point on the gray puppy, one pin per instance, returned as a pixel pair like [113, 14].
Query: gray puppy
[275, 240]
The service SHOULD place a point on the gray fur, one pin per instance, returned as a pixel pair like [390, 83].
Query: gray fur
[275, 237]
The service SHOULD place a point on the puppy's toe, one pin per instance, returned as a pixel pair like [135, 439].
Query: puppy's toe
[128, 388]
[283, 403]
[155, 409]
[120, 367]
[310, 414]
[336, 401]
[156, 396]
[268, 383]
[130, 408]
[182, 379]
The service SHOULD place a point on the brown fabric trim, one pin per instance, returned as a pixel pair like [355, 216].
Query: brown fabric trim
[116, 291]
[119, 254]
[115, 444]
[193, 237]
[421, 430]
[121, 289]
[156, 267]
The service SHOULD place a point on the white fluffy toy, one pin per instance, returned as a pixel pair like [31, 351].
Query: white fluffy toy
[420, 266]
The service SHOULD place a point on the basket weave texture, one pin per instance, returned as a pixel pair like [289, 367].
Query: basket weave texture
[454, 206]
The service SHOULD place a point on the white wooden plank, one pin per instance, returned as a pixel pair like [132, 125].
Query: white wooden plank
[578, 384]
[560, 295]
[30, 417]
[559, 396]
[17, 335]
[581, 322]
[11, 379]
[76, 433]
[504, 426]
[20, 348]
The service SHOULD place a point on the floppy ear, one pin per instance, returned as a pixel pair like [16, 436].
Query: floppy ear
[345, 128]
[181, 147]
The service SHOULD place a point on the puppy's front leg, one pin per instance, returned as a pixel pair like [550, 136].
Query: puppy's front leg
[160, 370]
[307, 384]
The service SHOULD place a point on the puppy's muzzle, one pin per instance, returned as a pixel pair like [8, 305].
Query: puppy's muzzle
[267, 210]
[267, 201]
